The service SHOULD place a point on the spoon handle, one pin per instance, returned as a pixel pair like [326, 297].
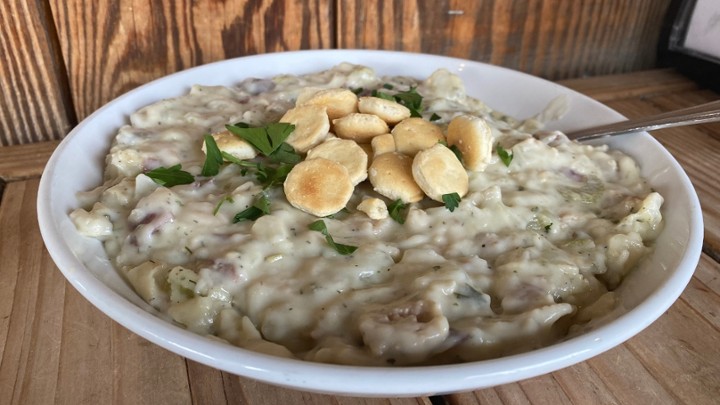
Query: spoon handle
[700, 114]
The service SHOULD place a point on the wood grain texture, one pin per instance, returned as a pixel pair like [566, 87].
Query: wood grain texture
[65, 59]
[29, 313]
[642, 83]
[19, 162]
[111, 47]
[555, 39]
[34, 103]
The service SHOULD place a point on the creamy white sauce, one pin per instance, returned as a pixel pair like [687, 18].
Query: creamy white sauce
[533, 249]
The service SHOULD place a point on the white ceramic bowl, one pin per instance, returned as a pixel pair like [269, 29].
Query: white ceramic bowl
[77, 165]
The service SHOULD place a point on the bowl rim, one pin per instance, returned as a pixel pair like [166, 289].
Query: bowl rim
[359, 380]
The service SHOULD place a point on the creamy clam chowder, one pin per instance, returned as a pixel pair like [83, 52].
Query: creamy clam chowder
[408, 223]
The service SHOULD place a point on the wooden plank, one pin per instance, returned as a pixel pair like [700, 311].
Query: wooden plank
[486, 396]
[512, 394]
[112, 47]
[102, 362]
[544, 389]
[206, 385]
[674, 360]
[708, 273]
[554, 39]
[30, 324]
[150, 374]
[34, 96]
[681, 351]
[578, 384]
[628, 379]
[607, 88]
[584, 386]
[243, 390]
[19, 162]
[54, 346]
[86, 371]
[703, 292]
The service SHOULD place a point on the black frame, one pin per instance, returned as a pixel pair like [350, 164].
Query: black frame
[672, 51]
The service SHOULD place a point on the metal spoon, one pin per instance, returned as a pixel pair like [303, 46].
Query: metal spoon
[700, 114]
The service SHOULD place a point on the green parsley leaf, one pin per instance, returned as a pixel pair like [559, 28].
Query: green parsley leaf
[257, 137]
[434, 117]
[504, 155]
[457, 152]
[382, 94]
[265, 139]
[250, 214]
[170, 176]
[409, 98]
[357, 90]
[285, 153]
[232, 159]
[278, 132]
[242, 163]
[320, 226]
[412, 100]
[547, 227]
[451, 201]
[222, 201]
[213, 158]
[396, 209]
[273, 176]
[267, 176]
[259, 208]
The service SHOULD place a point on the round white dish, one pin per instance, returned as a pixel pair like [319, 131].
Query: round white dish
[77, 165]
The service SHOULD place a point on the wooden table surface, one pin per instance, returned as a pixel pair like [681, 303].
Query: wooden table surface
[57, 348]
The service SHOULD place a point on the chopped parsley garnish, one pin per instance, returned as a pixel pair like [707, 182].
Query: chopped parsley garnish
[434, 117]
[170, 176]
[451, 200]
[383, 95]
[270, 176]
[232, 159]
[265, 139]
[504, 155]
[213, 159]
[285, 154]
[357, 90]
[222, 201]
[409, 98]
[396, 209]
[259, 208]
[320, 226]
[270, 141]
[547, 227]
[388, 86]
[457, 152]
[412, 100]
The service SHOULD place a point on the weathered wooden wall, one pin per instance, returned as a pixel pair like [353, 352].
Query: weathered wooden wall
[62, 59]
